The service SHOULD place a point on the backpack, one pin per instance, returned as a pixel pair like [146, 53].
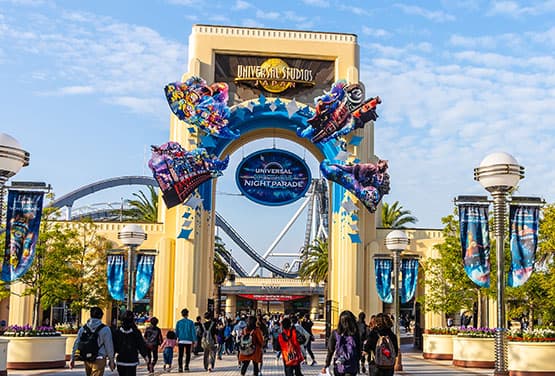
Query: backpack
[292, 355]
[246, 345]
[87, 350]
[207, 340]
[152, 338]
[384, 355]
[346, 354]
[301, 338]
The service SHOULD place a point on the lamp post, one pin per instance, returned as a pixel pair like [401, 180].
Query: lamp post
[132, 236]
[499, 173]
[397, 241]
[12, 159]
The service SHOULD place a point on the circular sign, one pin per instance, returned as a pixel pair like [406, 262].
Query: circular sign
[273, 177]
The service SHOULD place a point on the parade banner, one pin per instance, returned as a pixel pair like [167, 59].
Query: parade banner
[409, 273]
[145, 269]
[115, 273]
[382, 268]
[475, 245]
[524, 223]
[272, 298]
[22, 231]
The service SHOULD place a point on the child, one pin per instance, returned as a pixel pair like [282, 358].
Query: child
[169, 343]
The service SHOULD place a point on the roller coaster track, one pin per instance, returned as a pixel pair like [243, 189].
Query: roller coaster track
[224, 225]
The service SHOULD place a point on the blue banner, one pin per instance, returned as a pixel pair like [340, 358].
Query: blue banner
[382, 267]
[475, 245]
[145, 268]
[409, 273]
[524, 223]
[22, 231]
[116, 265]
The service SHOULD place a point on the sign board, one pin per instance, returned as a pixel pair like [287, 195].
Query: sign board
[273, 177]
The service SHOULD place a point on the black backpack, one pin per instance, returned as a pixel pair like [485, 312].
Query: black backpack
[87, 350]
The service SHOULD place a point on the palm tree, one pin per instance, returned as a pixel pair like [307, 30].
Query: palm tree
[395, 216]
[221, 268]
[315, 264]
[144, 209]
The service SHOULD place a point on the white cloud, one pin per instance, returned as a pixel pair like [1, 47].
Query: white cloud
[514, 9]
[76, 90]
[317, 3]
[436, 16]
[113, 58]
[266, 15]
[241, 5]
[376, 33]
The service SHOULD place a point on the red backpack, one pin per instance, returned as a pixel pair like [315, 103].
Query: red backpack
[291, 352]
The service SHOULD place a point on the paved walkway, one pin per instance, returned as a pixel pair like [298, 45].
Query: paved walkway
[413, 364]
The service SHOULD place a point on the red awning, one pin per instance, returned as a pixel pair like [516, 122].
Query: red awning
[272, 298]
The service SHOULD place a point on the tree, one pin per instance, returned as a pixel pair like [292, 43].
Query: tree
[395, 216]
[143, 208]
[315, 262]
[221, 269]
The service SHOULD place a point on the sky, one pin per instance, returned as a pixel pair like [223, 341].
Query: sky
[81, 88]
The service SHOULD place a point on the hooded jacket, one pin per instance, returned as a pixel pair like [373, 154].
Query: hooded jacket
[105, 343]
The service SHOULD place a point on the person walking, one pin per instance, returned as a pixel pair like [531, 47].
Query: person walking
[199, 330]
[303, 337]
[104, 345]
[128, 343]
[153, 339]
[228, 338]
[167, 347]
[209, 342]
[363, 334]
[344, 347]
[291, 348]
[307, 325]
[250, 347]
[382, 329]
[186, 339]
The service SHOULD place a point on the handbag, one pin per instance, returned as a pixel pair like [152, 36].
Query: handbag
[372, 369]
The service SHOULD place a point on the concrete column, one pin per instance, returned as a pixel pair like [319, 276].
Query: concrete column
[231, 304]
[163, 285]
[314, 301]
[21, 307]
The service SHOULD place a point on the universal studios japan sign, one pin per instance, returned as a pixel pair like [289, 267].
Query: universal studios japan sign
[274, 75]
[273, 177]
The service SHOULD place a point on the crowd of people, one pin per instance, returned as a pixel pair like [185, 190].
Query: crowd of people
[352, 347]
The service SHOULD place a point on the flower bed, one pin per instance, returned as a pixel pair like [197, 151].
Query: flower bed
[29, 331]
[474, 347]
[437, 346]
[36, 352]
[530, 352]
[442, 331]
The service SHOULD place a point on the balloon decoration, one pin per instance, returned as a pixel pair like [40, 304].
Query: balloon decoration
[202, 105]
[369, 182]
[179, 172]
[340, 111]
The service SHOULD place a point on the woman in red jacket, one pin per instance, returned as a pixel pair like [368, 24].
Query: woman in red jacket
[250, 346]
[290, 349]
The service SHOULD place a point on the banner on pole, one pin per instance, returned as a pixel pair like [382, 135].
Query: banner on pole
[475, 244]
[524, 223]
[382, 267]
[145, 269]
[116, 266]
[22, 231]
[409, 273]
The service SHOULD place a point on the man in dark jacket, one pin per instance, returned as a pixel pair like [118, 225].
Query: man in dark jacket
[382, 328]
[363, 335]
[128, 343]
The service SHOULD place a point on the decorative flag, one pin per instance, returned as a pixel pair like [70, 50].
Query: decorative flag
[145, 268]
[475, 245]
[22, 231]
[524, 222]
[409, 273]
[116, 265]
[382, 267]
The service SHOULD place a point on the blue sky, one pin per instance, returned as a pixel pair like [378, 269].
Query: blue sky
[82, 89]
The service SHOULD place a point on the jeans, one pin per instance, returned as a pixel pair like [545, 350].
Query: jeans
[209, 357]
[187, 348]
[152, 356]
[293, 370]
[309, 350]
[168, 355]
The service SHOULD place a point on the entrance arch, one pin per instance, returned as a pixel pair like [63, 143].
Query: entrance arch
[184, 267]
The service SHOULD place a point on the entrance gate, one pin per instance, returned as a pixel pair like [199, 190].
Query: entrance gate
[262, 108]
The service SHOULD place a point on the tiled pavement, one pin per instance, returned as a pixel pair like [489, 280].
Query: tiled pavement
[413, 364]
